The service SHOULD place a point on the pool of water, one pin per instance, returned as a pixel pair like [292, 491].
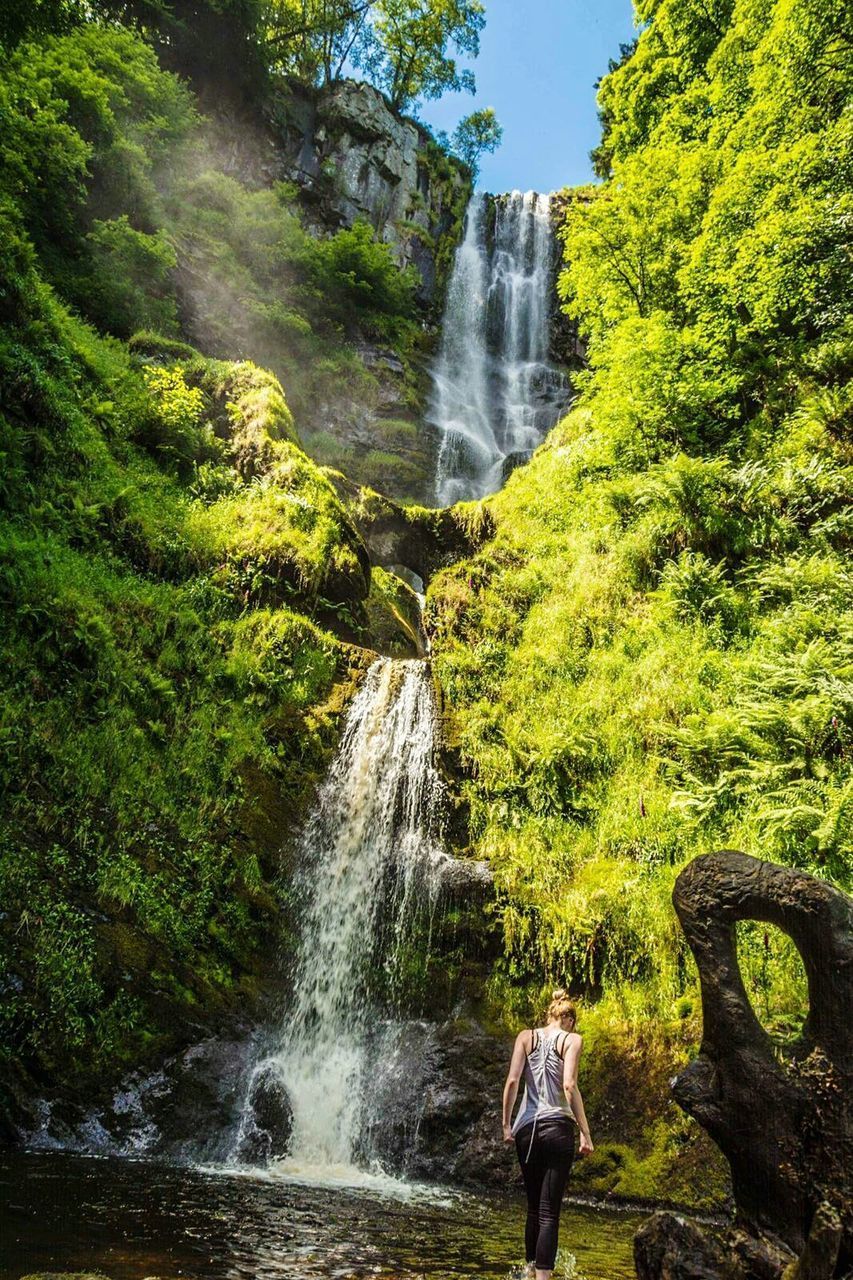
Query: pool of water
[133, 1220]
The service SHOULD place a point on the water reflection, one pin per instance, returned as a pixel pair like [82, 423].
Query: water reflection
[133, 1220]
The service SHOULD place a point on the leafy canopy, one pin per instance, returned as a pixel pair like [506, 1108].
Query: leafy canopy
[477, 134]
[410, 43]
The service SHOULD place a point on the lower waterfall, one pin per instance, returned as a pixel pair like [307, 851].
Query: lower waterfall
[371, 865]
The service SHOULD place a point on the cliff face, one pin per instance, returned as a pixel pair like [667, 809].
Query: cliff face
[352, 160]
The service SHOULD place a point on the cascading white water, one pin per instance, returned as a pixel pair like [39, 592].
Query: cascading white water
[494, 391]
[371, 859]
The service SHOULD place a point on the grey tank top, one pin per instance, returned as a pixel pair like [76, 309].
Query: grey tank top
[543, 1081]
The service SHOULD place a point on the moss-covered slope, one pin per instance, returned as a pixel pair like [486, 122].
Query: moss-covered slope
[181, 583]
[652, 655]
[171, 566]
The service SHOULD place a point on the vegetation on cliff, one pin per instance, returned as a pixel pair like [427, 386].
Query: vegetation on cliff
[652, 656]
[177, 575]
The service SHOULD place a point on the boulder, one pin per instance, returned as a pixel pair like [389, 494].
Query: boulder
[783, 1122]
[670, 1247]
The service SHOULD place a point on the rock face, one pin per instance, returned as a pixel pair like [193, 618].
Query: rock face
[354, 158]
[459, 1137]
[349, 158]
[440, 1120]
[784, 1125]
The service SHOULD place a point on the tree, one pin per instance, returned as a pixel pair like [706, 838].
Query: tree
[477, 134]
[316, 38]
[32, 19]
[409, 42]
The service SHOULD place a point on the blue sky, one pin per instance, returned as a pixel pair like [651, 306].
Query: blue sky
[538, 63]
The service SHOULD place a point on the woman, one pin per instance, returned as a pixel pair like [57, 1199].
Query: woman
[547, 1059]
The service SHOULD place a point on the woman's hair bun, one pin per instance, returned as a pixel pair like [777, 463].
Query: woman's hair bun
[561, 1006]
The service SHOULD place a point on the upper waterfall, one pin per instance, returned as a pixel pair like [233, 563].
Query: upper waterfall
[494, 391]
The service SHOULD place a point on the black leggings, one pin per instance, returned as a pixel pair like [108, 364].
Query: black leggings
[545, 1171]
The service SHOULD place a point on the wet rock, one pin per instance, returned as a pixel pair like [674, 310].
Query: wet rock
[465, 877]
[459, 1137]
[759, 1257]
[394, 617]
[818, 1259]
[188, 1109]
[268, 1122]
[784, 1125]
[512, 461]
[670, 1247]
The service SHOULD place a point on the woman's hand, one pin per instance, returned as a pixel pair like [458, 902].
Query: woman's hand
[508, 1134]
[586, 1148]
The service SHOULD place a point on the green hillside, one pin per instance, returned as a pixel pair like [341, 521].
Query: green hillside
[652, 657]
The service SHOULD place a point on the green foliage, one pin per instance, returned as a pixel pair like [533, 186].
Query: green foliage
[408, 51]
[175, 429]
[162, 717]
[121, 189]
[87, 117]
[314, 38]
[131, 283]
[652, 655]
[477, 134]
[357, 275]
[22, 19]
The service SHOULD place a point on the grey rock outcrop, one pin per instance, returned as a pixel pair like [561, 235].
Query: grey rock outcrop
[356, 159]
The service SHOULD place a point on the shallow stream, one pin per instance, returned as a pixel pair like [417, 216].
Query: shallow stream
[134, 1219]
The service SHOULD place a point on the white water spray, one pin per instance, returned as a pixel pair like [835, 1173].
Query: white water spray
[495, 393]
[371, 860]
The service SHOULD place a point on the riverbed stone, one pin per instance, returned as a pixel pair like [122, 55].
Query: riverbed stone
[671, 1247]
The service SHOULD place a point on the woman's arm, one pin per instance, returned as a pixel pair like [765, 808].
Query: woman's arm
[516, 1069]
[586, 1148]
[571, 1089]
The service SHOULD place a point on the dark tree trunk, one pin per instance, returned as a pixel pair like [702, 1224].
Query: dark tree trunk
[783, 1124]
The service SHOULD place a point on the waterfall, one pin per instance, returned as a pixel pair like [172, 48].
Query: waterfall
[495, 394]
[371, 862]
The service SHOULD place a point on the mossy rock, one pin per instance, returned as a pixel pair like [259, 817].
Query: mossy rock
[393, 613]
[602, 1171]
[155, 346]
[422, 539]
[124, 946]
